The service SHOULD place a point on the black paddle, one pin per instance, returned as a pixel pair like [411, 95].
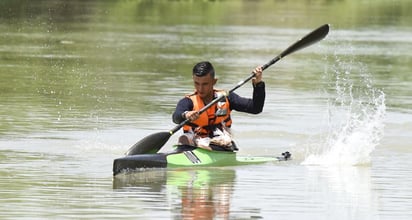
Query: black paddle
[153, 142]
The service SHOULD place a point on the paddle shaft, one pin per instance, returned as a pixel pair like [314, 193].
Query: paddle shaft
[307, 40]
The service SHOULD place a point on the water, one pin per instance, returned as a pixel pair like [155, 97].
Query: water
[83, 81]
[355, 117]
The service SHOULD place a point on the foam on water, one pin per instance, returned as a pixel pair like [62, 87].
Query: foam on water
[355, 116]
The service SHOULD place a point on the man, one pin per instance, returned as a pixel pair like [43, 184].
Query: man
[210, 130]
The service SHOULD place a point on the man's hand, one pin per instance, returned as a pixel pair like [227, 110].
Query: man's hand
[258, 75]
[191, 115]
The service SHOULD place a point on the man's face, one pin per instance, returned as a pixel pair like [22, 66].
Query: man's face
[204, 85]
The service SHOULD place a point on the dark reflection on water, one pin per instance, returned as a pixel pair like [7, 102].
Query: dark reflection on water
[200, 193]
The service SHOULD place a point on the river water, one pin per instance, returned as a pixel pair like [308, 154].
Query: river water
[82, 81]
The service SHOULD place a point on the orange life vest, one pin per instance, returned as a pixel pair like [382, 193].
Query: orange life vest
[212, 118]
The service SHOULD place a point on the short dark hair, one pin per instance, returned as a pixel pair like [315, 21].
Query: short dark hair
[203, 68]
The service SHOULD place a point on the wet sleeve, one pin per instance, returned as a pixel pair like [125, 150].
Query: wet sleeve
[183, 105]
[249, 105]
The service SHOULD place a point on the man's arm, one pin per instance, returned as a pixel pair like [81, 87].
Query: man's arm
[254, 105]
[183, 105]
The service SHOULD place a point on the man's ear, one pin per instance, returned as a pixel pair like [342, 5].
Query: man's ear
[214, 81]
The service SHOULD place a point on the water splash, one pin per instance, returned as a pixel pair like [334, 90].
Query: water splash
[355, 117]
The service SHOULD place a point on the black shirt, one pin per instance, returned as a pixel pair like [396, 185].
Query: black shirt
[249, 105]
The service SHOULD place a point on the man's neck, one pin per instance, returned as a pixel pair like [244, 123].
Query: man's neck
[207, 100]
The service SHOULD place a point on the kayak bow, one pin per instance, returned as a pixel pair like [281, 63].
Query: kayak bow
[187, 156]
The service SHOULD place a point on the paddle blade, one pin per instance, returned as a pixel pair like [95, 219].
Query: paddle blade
[150, 144]
[311, 38]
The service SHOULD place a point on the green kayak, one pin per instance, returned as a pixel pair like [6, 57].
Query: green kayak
[187, 156]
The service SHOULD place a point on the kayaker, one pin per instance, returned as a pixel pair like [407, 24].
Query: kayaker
[211, 129]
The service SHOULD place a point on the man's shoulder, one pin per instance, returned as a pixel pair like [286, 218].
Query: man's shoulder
[233, 97]
[185, 100]
[188, 95]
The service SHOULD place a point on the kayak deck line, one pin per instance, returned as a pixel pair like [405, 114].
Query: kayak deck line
[189, 156]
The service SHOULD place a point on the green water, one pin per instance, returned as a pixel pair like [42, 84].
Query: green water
[81, 81]
[107, 63]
